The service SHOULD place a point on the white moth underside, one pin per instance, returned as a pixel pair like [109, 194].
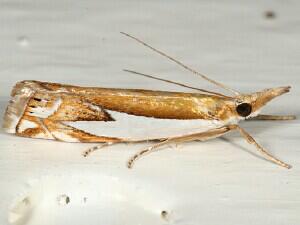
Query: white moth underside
[131, 127]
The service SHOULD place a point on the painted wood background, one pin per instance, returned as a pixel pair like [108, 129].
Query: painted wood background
[222, 181]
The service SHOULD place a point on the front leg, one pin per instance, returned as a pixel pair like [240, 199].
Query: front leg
[267, 155]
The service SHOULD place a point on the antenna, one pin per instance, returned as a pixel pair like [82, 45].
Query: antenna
[181, 64]
[176, 83]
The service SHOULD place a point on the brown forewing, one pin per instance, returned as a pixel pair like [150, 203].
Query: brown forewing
[158, 104]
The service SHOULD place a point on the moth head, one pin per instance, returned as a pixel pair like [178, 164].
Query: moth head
[249, 105]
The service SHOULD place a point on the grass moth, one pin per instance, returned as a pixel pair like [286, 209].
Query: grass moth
[93, 114]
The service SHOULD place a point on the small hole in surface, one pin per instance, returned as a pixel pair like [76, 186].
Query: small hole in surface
[23, 41]
[270, 14]
[63, 199]
[164, 214]
[26, 201]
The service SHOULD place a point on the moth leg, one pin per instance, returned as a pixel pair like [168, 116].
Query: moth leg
[208, 135]
[267, 155]
[213, 133]
[63, 132]
[97, 147]
[87, 152]
[274, 117]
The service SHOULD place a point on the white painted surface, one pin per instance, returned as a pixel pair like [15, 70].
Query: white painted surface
[215, 182]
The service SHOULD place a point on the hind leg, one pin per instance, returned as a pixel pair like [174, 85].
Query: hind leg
[213, 133]
[97, 147]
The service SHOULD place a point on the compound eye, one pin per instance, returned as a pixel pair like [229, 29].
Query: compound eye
[244, 109]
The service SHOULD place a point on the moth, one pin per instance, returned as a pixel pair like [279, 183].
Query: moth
[110, 115]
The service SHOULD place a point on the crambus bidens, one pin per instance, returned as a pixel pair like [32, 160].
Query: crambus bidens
[92, 114]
